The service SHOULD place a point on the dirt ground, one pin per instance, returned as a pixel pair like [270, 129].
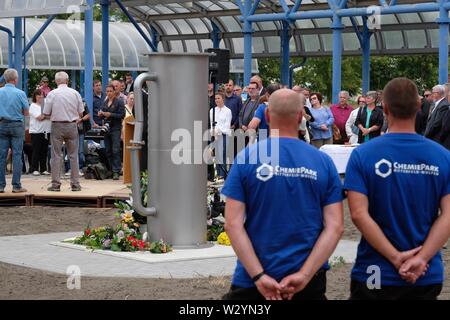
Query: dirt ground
[24, 283]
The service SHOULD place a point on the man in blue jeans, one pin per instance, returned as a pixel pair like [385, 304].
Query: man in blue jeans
[12, 128]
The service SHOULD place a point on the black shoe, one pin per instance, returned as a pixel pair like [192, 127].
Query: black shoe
[115, 176]
[54, 188]
[19, 190]
[76, 188]
[2, 190]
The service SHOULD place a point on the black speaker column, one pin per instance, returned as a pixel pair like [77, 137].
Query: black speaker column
[219, 65]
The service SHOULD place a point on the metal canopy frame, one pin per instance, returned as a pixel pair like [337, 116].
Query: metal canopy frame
[263, 28]
[309, 28]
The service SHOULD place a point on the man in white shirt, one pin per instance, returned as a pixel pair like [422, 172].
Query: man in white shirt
[64, 107]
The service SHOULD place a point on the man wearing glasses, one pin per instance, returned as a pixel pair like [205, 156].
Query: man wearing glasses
[435, 121]
[248, 110]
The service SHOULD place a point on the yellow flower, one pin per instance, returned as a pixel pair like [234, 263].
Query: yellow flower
[127, 217]
[223, 239]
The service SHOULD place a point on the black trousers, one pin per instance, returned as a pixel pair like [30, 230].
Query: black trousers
[40, 151]
[360, 291]
[315, 290]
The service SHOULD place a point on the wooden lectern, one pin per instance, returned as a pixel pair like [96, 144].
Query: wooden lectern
[128, 132]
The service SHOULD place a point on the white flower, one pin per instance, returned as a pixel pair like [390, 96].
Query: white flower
[130, 202]
[145, 237]
[120, 235]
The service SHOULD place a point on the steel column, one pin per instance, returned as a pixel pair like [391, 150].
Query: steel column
[248, 42]
[365, 46]
[337, 57]
[88, 55]
[443, 22]
[215, 35]
[10, 46]
[105, 43]
[18, 48]
[285, 53]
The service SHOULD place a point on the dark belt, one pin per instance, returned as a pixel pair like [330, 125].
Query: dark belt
[65, 121]
[7, 120]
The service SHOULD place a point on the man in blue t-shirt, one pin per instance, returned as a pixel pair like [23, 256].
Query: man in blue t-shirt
[259, 119]
[396, 185]
[284, 213]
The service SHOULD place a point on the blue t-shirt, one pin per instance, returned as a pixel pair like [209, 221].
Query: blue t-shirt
[404, 177]
[14, 102]
[259, 113]
[284, 198]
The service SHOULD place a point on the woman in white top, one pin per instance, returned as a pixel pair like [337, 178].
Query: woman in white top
[350, 128]
[40, 135]
[220, 118]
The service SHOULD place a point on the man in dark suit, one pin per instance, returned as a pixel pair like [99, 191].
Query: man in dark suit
[445, 132]
[435, 122]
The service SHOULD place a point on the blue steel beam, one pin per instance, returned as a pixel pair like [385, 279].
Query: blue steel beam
[18, 48]
[337, 27]
[318, 14]
[10, 45]
[215, 35]
[247, 31]
[25, 70]
[254, 7]
[365, 46]
[155, 36]
[137, 26]
[105, 43]
[285, 53]
[38, 34]
[443, 22]
[296, 6]
[88, 55]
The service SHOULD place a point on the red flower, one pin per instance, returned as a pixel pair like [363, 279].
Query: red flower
[134, 243]
[87, 232]
[141, 244]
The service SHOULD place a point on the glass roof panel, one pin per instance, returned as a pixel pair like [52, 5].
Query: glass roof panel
[29, 8]
[177, 46]
[273, 44]
[292, 45]
[327, 40]
[238, 45]
[183, 26]
[163, 9]
[229, 5]
[168, 27]
[409, 18]
[350, 41]
[323, 23]
[268, 25]
[429, 16]
[258, 45]
[304, 24]
[393, 39]
[208, 5]
[311, 42]
[434, 37]
[199, 26]
[388, 19]
[416, 39]
[231, 24]
[191, 46]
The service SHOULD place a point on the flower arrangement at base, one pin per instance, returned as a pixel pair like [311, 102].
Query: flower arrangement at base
[223, 239]
[125, 237]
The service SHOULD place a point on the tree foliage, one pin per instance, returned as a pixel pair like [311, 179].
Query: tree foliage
[316, 74]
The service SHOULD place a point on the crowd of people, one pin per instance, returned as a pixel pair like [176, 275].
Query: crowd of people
[339, 123]
[58, 122]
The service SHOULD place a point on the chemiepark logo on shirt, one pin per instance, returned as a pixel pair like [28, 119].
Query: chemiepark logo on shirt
[266, 172]
[384, 168]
